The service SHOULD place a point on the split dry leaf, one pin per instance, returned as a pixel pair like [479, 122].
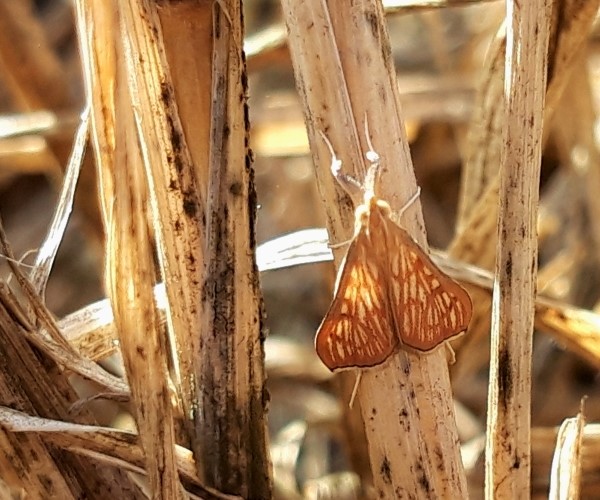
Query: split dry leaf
[47, 253]
[565, 476]
[108, 446]
[47, 335]
[92, 330]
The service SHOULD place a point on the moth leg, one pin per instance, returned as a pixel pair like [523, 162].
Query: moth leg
[349, 183]
[371, 154]
[407, 205]
[355, 389]
[450, 354]
[375, 164]
[341, 244]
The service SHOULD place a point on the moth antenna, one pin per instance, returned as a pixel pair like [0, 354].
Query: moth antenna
[355, 389]
[349, 183]
[336, 164]
[374, 159]
[371, 154]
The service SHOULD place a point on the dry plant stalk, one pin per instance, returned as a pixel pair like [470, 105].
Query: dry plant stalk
[571, 23]
[475, 242]
[402, 6]
[130, 266]
[32, 383]
[484, 138]
[97, 29]
[107, 446]
[174, 187]
[130, 281]
[210, 276]
[46, 255]
[344, 72]
[231, 370]
[213, 302]
[47, 337]
[35, 381]
[565, 477]
[580, 443]
[508, 453]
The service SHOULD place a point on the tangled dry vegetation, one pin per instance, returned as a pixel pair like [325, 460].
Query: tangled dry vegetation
[136, 358]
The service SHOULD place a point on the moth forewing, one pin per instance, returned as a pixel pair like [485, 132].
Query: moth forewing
[358, 330]
[428, 306]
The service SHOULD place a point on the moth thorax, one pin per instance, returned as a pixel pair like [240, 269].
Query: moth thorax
[371, 206]
[382, 206]
[361, 217]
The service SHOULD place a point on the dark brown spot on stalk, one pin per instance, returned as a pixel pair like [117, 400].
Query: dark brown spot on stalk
[46, 482]
[236, 188]
[252, 207]
[424, 482]
[189, 206]
[505, 377]
[386, 471]
[244, 80]
[508, 266]
[422, 478]
[175, 137]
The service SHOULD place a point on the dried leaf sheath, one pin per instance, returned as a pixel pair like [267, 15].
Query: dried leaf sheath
[389, 291]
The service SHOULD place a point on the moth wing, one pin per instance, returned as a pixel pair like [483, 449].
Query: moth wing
[358, 331]
[428, 306]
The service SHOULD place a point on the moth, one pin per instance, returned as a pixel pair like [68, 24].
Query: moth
[388, 292]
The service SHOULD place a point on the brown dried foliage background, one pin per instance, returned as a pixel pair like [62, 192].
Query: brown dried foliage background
[448, 62]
